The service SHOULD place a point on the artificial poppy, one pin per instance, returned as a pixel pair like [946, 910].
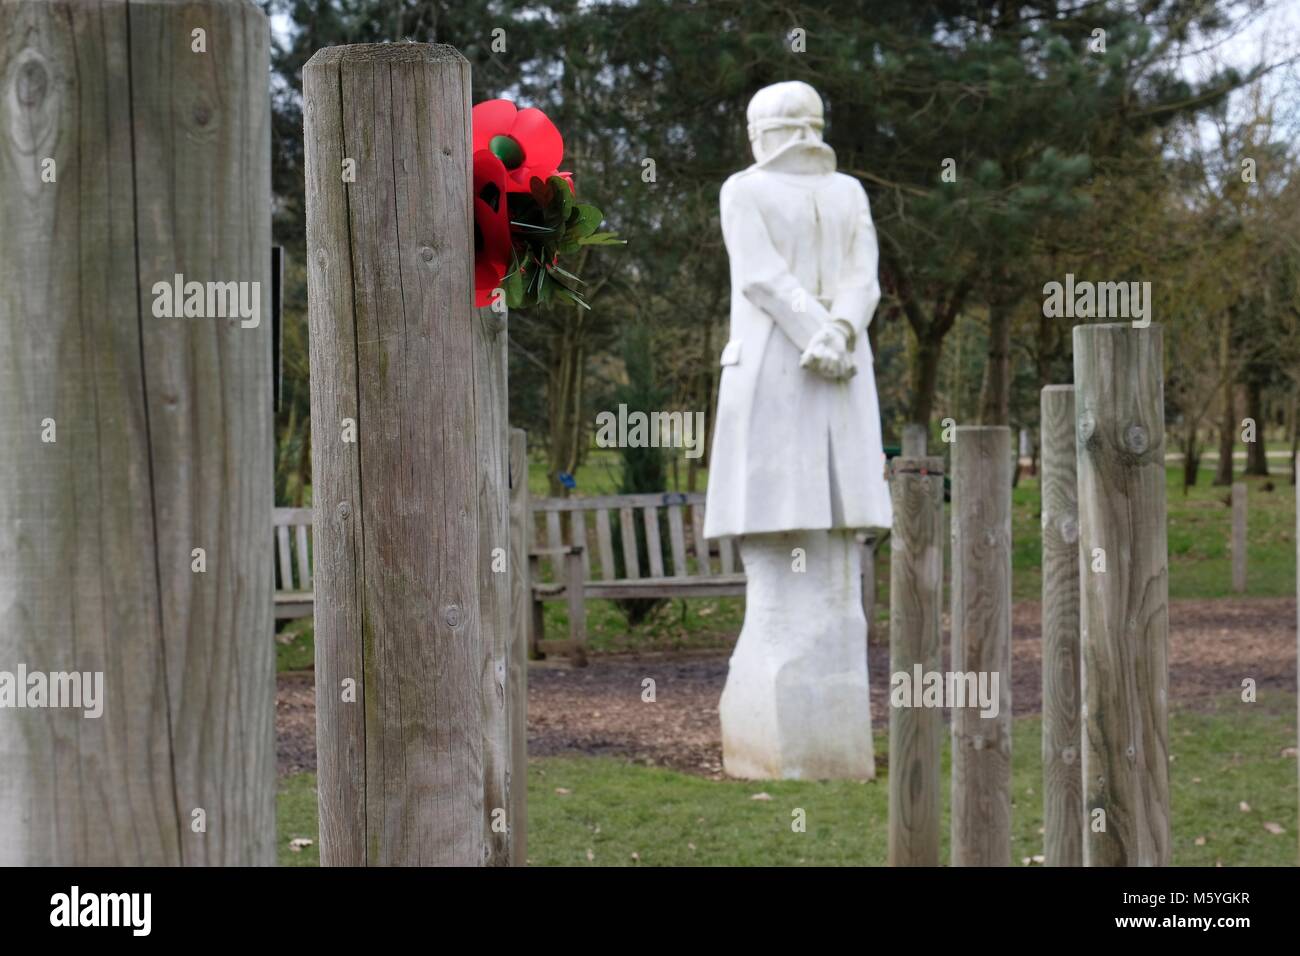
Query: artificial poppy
[525, 141]
[493, 249]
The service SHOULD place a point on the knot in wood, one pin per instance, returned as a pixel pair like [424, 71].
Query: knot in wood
[1135, 437]
[426, 253]
[451, 614]
[344, 511]
[1087, 425]
[1068, 755]
[32, 84]
[202, 113]
[1069, 529]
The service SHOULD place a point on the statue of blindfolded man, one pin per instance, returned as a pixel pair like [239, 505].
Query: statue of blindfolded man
[797, 467]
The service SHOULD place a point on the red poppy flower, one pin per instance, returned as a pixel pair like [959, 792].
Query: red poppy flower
[493, 250]
[525, 141]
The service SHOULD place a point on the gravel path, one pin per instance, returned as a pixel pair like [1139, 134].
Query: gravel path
[598, 710]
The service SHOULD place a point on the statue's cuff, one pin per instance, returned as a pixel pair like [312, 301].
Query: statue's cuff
[850, 334]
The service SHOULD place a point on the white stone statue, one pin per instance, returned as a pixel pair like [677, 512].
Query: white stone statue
[797, 465]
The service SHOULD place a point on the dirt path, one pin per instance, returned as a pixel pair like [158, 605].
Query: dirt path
[598, 710]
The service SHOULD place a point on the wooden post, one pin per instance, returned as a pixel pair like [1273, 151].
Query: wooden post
[520, 612]
[1239, 537]
[915, 612]
[1124, 616]
[491, 410]
[981, 645]
[1063, 818]
[1295, 463]
[132, 438]
[395, 461]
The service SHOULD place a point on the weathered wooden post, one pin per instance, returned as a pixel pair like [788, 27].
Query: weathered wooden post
[981, 645]
[491, 409]
[136, 485]
[397, 471]
[915, 644]
[1124, 618]
[520, 612]
[1239, 537]
[1063, 817]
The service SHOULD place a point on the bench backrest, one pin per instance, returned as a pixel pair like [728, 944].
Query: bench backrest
[671, 525]
[292, 538]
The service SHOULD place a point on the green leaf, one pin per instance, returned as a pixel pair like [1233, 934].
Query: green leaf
[603, 239]
[583, 221]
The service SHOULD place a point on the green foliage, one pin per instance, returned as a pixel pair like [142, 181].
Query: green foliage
[547, 223]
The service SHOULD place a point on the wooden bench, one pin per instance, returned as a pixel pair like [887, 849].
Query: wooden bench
[565, 533]
[565, 530]
[569, 530]
[293, 596]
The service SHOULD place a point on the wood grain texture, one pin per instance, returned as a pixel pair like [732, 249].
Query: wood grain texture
[1124, 615]
[654, 545]
[1063, 817]
[390, 259]
[520, 615]
[1239, 501]
[163, 440]
[981, 643]
[915, 629]
[491, 412]
[604, 541]
[677, 540]
[627, 533]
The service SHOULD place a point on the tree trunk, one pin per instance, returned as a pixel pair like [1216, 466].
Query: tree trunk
[995, 395]
[925, 377]
[1191, 457]
[1256, 451]
[564, 406]
[1227, 423]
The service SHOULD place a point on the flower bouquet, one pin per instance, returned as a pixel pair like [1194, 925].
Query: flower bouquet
[526, 215]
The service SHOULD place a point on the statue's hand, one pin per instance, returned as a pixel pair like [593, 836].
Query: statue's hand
[828, 354]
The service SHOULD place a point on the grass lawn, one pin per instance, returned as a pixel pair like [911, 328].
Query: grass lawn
[607, 812]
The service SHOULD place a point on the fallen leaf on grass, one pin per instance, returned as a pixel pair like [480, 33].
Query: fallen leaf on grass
[1275, 828]
[1244, 807]
[297, 843]
[563, 791]
[1199, 841]
[590, 856]
[761, 796]
[1288, 752]
[1038, 859]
